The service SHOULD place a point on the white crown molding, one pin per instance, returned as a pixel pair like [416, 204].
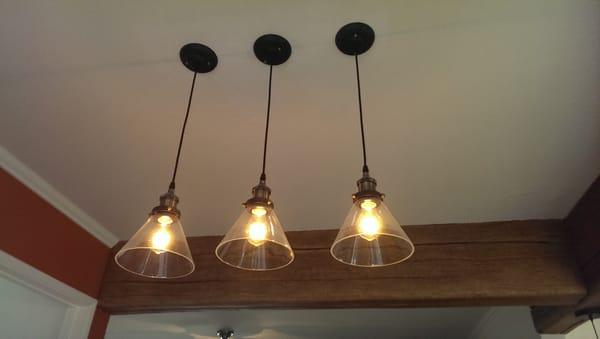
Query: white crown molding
[41, 187]
[80, 306]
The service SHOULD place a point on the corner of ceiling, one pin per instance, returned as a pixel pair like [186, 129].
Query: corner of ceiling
[41, 187]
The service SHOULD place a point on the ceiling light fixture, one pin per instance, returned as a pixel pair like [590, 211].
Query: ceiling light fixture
[225, 333]
[370, 235]
[256, 241]
[159, 249]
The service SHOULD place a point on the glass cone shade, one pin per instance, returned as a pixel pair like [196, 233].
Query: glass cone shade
[158, 249]
[256, 241]
[371, 236]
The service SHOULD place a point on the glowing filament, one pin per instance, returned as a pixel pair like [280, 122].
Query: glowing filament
[257, 233]
[165, 220]
[368, 205]
[369, 224]
[259, 211]
[161, 240]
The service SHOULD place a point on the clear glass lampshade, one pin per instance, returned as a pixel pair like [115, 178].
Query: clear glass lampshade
[256, 241]
[371, 236]
[158, 249]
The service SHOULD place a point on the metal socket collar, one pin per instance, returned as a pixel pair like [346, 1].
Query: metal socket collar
[168, 204]
[367, 188]
[261, 196]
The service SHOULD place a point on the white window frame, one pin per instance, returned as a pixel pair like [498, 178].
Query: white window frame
[80, 306]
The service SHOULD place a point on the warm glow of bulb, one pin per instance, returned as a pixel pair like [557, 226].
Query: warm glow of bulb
[257, 233]
[369, 225]
[160, 241]
[368, 204]
[259, 211]
[165, 220]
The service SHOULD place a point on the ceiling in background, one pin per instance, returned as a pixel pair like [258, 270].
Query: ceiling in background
[474, 110]
[448, 323]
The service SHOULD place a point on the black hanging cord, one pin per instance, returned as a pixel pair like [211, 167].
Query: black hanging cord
[593, 326]
[365, 168]
[263, 176]
[187, 114]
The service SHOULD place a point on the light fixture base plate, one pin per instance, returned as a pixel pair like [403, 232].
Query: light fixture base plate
[355, 38]
[272, 49]
[198, 58]
[225, 334]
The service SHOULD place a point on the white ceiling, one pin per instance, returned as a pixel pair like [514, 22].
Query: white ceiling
[448, 323]
[474, 110]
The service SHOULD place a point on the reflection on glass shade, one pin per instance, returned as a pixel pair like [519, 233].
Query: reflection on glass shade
[256, 241]
[158, 249]
[371, 236]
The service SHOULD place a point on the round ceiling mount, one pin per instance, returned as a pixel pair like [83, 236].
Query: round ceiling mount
[198, 58]
[272, 49]
[355, 38]
[225, 333]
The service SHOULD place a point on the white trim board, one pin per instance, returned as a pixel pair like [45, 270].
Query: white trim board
[81, 307]
[41, 187]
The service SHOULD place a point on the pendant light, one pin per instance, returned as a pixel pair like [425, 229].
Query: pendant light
[256, 241]
[370, 235]
[159, 249]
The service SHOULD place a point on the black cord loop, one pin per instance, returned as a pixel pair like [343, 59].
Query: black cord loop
[187, 114]
[365, 168]
[263, 176]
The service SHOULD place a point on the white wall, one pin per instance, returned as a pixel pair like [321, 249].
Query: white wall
[584, 331]
[34, 305]
[516, 323]
[508, 323]
[28, 314]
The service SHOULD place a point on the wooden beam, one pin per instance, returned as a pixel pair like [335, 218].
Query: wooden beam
[583, 227]
[583, 224]
[494, 263]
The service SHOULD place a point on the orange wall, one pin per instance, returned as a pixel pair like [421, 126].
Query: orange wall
[38, 234]
[98, 328]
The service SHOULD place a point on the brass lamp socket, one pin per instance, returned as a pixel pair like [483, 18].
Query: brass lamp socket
[261, 196]
[168, 204]
[367, 188]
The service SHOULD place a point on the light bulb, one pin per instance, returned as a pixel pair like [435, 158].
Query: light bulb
[259, 211]
[161, 240]
[165, 220]
[368, 204]
[369, 224]
[257, 233]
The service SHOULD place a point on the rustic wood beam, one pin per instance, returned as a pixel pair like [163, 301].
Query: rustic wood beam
[493, 263]
[583, 229]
